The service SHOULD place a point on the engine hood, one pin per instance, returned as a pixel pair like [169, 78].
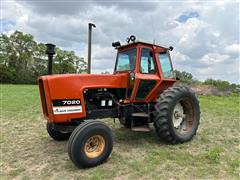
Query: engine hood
[75, 83]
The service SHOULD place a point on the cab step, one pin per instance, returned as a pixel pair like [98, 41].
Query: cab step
[144, 128]
[141, 114]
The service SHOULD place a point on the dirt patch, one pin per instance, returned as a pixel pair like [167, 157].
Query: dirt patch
[209, 90]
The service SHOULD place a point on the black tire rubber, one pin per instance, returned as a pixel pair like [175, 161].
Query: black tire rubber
[56, 135]
[126, 123]
[164, 107]
[82, 125]
[78, 139]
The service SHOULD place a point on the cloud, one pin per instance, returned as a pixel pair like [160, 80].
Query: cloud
[56, 7]
[205, 36]
[214, 58]
[233, 49]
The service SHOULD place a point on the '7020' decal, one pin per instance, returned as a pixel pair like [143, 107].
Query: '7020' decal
[66, 106]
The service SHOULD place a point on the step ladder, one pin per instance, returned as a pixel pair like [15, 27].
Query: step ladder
[141, 128]
[144, 128]
[141, 114]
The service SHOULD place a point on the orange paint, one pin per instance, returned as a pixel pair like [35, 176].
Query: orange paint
[72, 86]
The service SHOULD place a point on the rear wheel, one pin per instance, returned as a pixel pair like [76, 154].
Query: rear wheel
[56, 135]
[90, 144]
[177, 115]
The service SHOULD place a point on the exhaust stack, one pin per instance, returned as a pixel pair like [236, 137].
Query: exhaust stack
[90, 25]
[50, 51]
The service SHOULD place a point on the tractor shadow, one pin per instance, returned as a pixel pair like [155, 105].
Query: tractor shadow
[126, 136]
[122, 137]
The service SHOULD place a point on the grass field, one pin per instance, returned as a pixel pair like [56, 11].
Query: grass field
[27, 152]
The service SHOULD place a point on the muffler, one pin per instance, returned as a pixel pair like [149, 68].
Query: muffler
[90, 25]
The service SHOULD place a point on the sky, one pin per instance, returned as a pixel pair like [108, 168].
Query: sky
[204, 34]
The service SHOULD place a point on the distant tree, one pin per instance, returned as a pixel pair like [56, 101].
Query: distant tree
[68, 62]
[185, 77]
[223, 85]
[105, 72]
[64, 62]
[40, 64]
[22, 59]
[81, 65]
[7, 73]
[17, 56]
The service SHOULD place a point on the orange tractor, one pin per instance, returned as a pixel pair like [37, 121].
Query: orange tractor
[141, 91]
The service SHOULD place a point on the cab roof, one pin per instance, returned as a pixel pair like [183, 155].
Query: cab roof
[141, 42]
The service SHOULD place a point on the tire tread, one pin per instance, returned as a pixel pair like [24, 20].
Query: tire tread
[162, 108]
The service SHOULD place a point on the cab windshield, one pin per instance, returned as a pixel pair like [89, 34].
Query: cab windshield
[126, 60]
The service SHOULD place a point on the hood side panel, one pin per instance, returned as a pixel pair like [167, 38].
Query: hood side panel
[71, 86]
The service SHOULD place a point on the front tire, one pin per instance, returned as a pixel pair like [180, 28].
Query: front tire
[90, 144]
[56, 135]
[177, 115]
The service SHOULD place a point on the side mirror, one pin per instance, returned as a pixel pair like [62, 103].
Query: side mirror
[175, 75]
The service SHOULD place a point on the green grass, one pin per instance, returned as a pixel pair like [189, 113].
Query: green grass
[27, 152]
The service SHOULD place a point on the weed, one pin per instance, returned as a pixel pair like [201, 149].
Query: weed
[214, 155]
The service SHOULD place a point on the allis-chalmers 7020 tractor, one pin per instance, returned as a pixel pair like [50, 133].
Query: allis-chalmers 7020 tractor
[141, 91]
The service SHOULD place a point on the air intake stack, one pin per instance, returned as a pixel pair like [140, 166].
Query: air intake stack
[50, 51]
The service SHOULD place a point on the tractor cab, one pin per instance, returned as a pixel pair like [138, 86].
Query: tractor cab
[147, 66]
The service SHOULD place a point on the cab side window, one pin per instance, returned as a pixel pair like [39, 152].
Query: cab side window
[166, 65]
[147, 65]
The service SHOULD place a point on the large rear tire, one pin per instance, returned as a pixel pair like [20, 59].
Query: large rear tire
[177, 115]
[90, 144]
[56, 135]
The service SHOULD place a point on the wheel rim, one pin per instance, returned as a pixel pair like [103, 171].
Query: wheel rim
[94, 146]
[178, 115]
[183, 116]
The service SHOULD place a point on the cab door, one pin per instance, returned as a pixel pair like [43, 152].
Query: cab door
[146, 76]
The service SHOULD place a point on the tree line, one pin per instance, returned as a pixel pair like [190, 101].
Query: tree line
[23, 60]
[187, 78]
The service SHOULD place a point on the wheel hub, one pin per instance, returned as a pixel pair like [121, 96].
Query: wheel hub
[94, 146]
[178, 115]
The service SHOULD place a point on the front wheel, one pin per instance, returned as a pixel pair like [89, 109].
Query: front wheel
[90, 144]
[177, 115]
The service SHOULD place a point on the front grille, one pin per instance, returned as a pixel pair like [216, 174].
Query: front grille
[43, 97]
